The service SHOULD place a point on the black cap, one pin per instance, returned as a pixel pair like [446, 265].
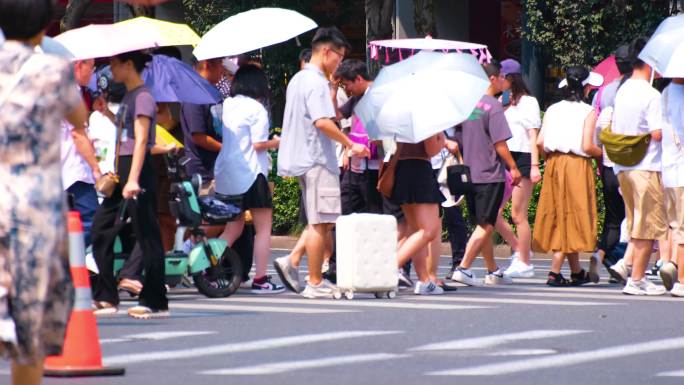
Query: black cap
[622, 54]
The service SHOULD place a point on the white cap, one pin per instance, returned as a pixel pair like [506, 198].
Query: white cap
[594, 79]
[230, 65]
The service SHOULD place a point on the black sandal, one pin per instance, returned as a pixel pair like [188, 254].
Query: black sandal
[557, 280]
[579, 279]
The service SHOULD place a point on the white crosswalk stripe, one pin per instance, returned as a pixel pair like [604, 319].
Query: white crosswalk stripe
[677, 373]
[289, 366]
[612, 296]
[256, 308]
[373, 303]
[492, 299]
[241, 347]
[567, 359]
[496, 340]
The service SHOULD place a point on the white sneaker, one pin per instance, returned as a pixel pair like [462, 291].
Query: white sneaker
[289, 275]
[518, 269]
[427, 288]
[619, 271]
[466, 277]
[497, 278]
[325, 289]
[677, 290]
[247, 285]
[668, 273]
[643, 287]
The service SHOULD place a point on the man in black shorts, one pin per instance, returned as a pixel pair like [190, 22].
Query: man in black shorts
[482, 139]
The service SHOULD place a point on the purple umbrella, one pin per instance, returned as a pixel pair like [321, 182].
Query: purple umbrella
[171, 80]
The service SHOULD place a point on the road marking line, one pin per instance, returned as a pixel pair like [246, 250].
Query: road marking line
[567, 359]
[496, 340]
[677, 373]
[241, 347]
[113, 340]
[613, 297]
[260, 309]
[605, 289]
[167, 335]
[521, 352]
[289, 366]
[516, 301]
[375, 303]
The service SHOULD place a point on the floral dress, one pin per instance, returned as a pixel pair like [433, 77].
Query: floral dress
[33, 236]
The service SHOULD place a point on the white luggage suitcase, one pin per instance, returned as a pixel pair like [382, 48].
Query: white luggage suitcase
[367, 255]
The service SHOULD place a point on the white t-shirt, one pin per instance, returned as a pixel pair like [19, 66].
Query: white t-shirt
[522, 117]
[563, 127]
[673, 119]
[245, 122]
[102, 132]
[74, 167]
[637, 112]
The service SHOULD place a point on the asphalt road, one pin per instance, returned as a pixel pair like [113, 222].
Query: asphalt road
[523, 334]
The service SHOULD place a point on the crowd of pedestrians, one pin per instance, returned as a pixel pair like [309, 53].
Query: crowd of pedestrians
[505, 142]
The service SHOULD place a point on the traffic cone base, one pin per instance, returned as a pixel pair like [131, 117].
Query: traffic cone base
[81, 354]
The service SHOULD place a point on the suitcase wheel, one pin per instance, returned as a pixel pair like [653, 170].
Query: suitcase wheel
[392, 294]
[349, 295]
[380, 294]
[337, 295]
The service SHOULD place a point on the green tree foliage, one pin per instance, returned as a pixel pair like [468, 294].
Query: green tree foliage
[587, 31]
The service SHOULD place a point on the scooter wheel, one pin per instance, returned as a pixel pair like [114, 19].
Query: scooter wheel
[222, 280]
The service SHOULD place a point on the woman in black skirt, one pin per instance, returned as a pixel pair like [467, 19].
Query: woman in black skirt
[417, 192]
[243, 165]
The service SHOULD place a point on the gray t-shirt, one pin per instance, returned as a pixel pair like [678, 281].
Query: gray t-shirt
[137, 102]
[607, 95]
[302, 145]
[485, 126]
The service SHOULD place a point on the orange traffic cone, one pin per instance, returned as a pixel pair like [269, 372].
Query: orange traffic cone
[81, 355]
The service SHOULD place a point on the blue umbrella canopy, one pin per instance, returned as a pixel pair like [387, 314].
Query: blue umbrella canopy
[171, 80]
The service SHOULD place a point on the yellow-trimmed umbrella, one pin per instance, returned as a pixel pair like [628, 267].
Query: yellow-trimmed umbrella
[163, 138]
[164, 33]
[104, 40]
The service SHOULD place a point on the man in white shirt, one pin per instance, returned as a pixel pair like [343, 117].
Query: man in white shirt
[307, 149]
[673, 177]
[80, 169]
[638, 112]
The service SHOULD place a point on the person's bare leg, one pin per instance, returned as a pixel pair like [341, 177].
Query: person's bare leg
[315, 248]
[506, 231]
[629, 254]
[574, 262]
[642, 254]
[328, 246]
[557, 262]
[680, 263]
[263, 222]
[298, 252]
[233, 230]
[665, 248]
[27, 375]
[477, 241]
[519, 209]
[424, 218]
[433, 256]
[424, 234]
[490, 262]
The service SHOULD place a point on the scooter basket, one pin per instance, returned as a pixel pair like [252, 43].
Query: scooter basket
[219, 209]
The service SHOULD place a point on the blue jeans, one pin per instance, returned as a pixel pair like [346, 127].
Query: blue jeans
[85, 202]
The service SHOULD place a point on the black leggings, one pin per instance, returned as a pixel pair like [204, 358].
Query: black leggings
[143, 214]
[615, 213]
